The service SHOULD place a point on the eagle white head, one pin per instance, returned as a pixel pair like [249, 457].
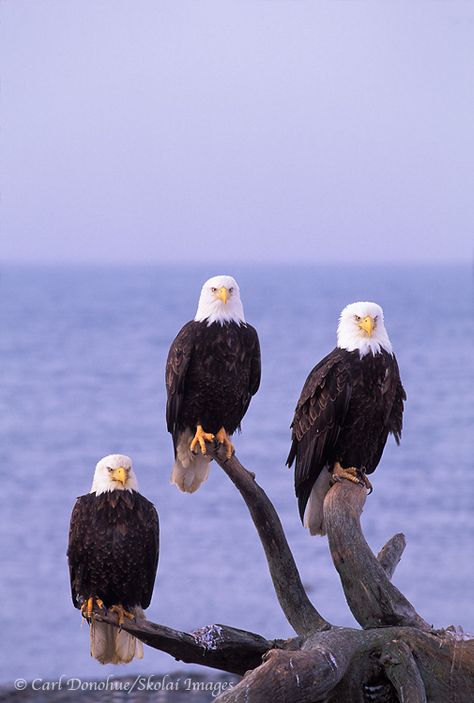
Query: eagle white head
[361, 326]
[114, 473]
[220, 301]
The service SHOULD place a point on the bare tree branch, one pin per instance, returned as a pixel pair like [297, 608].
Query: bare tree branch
[339, 665]
[402, 671]
[217, 646]
[298, 609]
[391, 553]
[299, 677]
[374, 601]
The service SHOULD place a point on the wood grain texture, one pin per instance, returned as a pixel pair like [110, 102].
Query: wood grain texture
[298, 609]
[372, 598]
[396, 657]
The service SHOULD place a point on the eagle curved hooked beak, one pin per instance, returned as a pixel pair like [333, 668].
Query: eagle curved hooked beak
[120, 475]
[223, 294]
[367, 324]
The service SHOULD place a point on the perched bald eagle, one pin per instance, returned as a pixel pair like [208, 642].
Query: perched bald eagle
[113, 556]
[351, 401]
[212, 372]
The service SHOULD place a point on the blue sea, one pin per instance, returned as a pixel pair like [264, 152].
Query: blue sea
[83, 351]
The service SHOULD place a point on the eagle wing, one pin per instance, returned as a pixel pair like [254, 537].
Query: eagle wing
[135, 541]
[177, 365]
[149, 547]
[395, 396]
[78, 546]
[319, 416]
[255, 365]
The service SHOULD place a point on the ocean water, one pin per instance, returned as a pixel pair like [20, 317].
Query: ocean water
[82, 365]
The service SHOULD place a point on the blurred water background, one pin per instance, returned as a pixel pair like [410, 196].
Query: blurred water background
[82, 365]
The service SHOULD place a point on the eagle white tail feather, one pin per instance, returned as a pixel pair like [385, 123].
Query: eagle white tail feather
[110, 645]
[189, 470]
[313, 514]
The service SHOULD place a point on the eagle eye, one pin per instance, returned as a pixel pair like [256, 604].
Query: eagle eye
[231, 290]
[109, 469]
[357, 318]
[214, 290]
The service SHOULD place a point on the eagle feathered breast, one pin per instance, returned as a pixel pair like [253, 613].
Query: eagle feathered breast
[113, 548]
[348, 406]
[212, 372]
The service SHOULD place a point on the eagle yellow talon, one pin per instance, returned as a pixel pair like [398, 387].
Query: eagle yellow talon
[121, 613]
[352, 474]
[223, 438]
[201, 437]
[87, 608]
[366, 483]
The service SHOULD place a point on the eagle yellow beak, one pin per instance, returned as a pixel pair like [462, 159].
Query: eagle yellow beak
[223, 294]
[120, 474]
[367, 324]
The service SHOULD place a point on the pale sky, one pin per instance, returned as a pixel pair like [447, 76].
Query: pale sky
[245, 130]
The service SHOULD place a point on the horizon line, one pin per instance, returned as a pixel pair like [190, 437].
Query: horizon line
[238, 262]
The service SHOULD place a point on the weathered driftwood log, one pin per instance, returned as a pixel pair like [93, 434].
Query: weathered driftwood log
[298, 609]
[391, 553]
[402, 670]
[373, 600]
[344, 665]
[395, 657]
[217, 646]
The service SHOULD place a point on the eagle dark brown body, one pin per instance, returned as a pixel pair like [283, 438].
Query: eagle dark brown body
[348, 406]
[212, 373]
[113, 549]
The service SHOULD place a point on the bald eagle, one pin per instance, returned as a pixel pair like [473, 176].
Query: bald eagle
[113, 556]
[212, 372]
[351, 401]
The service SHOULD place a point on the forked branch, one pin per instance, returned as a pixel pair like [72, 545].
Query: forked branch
[298, 609]
[323, 662]
[373, 600]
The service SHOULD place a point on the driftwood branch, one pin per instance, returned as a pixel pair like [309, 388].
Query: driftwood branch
[298, 609]
[373, 599]
[217, 646]
[395, 656]
[344, 665]
[402, 671]
[391, 553]
[301, 677]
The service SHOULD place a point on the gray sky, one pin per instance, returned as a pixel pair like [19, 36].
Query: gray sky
[245, 130]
